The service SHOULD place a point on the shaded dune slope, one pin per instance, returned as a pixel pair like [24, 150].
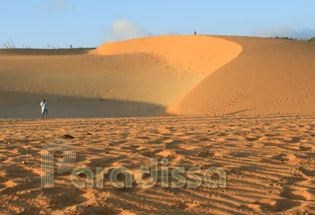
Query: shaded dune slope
[270, 76]
[77, 84]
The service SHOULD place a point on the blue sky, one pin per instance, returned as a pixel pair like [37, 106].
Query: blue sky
[89, 23]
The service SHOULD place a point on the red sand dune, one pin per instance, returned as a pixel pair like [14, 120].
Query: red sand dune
[270, 76]
[268, 160]
[182, 75]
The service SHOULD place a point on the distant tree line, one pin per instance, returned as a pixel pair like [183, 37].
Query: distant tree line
[11, 45]
[290, 38]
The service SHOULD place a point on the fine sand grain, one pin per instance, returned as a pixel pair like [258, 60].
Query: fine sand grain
[269, 164]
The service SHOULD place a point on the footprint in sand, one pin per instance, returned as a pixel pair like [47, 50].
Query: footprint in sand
[232, 139]
[296, 193]
[252, 138]
[241, 154]
[279, 158]
[172, 144]
[295, 140]
[149, 153]
[284, 157]
[306, 147]
[279, 205]
[307, 172]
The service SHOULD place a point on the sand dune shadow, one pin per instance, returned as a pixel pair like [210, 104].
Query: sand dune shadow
[26, 105]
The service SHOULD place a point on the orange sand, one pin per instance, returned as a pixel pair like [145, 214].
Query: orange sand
[270, 76]
[185, 75]
[252, 86]
[269, 162]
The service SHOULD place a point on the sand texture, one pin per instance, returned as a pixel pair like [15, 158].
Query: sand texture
[269, 164]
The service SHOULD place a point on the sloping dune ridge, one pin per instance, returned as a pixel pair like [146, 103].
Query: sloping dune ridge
[180, 75]
[270, 76]
[197, 55]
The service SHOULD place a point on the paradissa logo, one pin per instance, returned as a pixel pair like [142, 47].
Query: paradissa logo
[173, 178]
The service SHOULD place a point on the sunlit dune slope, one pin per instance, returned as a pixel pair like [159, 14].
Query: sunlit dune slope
[270, 76]
[190, 54]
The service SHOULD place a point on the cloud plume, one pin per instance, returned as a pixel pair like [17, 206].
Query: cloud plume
[124, 29]
[53, 5]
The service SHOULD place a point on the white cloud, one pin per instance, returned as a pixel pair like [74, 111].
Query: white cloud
[124, 29]
[283, 31]
[54, 5]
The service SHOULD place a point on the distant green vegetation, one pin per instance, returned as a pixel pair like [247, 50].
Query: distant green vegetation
[10, 45]
[290, 38]
[286, 38]
[81, 48]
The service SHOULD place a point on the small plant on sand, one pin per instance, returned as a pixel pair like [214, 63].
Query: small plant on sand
[9, 45]
[312, 39]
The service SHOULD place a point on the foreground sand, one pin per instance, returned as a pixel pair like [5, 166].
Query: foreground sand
[269, 162]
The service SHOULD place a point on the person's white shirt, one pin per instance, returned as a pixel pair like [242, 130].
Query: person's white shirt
[44, 106]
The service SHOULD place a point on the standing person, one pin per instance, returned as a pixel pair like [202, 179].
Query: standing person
[43, 105]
